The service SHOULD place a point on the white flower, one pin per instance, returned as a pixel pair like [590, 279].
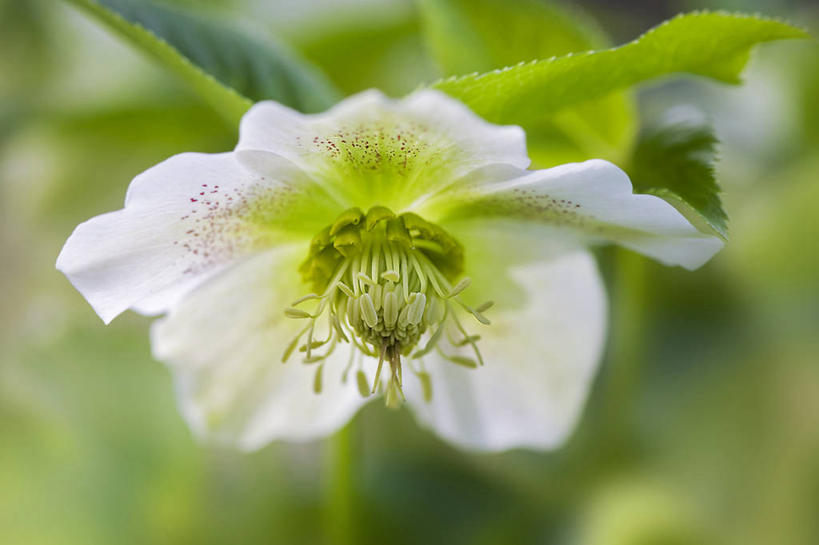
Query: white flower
[402, 200]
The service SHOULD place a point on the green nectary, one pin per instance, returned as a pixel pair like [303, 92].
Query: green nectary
[346, 237]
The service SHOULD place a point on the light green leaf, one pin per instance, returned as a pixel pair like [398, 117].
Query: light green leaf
[716, 45]
[227, 68]
[387, 54]
[473, 36]
[675, 161]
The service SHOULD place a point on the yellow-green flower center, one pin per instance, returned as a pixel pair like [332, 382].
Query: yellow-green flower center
[381, 281]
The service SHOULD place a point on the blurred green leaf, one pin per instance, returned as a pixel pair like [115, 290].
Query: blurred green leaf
[474, 35]
[228, 68]
[99, 150]
[383, 54]
[716, 45]
[675, 160]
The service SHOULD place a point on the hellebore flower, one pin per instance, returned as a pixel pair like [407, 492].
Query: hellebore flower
[335, 257]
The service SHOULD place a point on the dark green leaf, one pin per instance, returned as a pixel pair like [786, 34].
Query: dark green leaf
[228, 68]
[675, 160]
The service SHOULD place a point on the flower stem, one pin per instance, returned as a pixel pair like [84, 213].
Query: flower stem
[627, 353]
[339, 494]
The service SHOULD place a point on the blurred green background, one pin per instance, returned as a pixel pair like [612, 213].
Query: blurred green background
[703, 430]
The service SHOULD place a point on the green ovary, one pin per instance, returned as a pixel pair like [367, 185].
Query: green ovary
[381, 282]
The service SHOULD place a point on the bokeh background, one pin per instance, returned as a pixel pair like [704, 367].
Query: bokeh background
[702, 427]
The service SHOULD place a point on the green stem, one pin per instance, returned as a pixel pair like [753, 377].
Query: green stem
[627, 355]
[339, 494]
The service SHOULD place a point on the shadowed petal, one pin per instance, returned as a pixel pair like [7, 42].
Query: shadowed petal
[540, 358]
[224, 344]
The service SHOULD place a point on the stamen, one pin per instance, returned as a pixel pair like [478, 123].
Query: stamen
[363, 385]
[366, 279]
[368, 310]
[463, 360]
[431, 343]
[483, 307]
[304, 298]
[297, 313]
[345, 289]
[317, 379]
[350, 361]
[426, 385]
[474, 312]
[309, 340]
[377, 380]
[467, 338]
[292, 345]
[385, 283]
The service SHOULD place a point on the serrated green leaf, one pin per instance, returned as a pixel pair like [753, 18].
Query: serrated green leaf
[675, 161]
[229, 69]
[716, 45]
[474, 36]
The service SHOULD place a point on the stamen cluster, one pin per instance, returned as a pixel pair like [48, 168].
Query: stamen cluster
[383, 281]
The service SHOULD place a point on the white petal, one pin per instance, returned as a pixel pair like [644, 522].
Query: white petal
[582, 203]
[224, 344]
[540, 359]
[183, 220]
[376, 150]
